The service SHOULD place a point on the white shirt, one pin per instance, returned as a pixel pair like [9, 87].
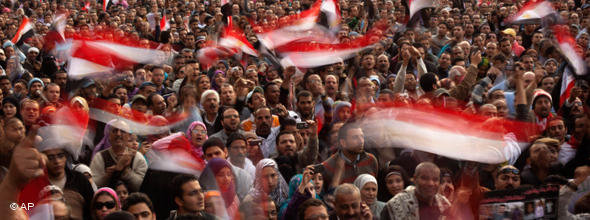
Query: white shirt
[566, 153]
[268, 146]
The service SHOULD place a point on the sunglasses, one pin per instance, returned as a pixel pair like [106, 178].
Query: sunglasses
[509, 170]
[109, 205]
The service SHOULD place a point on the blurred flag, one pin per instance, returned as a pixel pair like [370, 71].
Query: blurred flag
[532, 13]
[417, 5]
[174, 153]
[576, 63]
[24, 32]
[164, 24]
[234, 38]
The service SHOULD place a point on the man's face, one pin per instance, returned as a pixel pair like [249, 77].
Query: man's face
[36, 86]
[211, 104]
[537, 38]
[368, 62]
[331, 84]
[354, 141]
[159, 105]
[61, 79]
[528, 63]
[506, 47]
[263, 120]
[141, 212]
[215, 152]
[287, 145]
[542, 156]
[5, 85]
[383, 64]
[238, 150]
[305, 105]
[547, 84]
[458, 31]
[228, 96]
[257, 100]
[316, 213]
[118, 137]
[427, 182]
[231, 120]
[445, 60]
[348, 206]
[192, 199]
[52, 93]
[147, 90]
[30, 112]
[272, 94]
[158, 77]
[442, 30]
[315, 85]
[542, 106]
[507, 179]
[56, 162]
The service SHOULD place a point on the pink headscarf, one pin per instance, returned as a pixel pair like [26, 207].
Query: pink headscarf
[110, 191]
[189, 133]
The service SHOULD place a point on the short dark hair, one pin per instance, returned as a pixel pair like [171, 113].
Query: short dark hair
[234, 137]
[283, 133]
[304, 93]
[308, 203]
[343, 132]
[213, 142]
[427, 82]
[456, 60]
[136, 198]
[150, 103]
[180, 180]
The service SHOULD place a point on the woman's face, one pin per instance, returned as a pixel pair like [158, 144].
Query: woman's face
[318, 182]
[224, 178]
[122, 192]
[219, 79]
[9, 110]
[344, 113]
[270, 179]
[369, 193]
[104, 205]
[204, 84]
[395, 184]
[198, 135]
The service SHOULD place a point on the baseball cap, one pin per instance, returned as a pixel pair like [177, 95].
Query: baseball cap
[256, 89]
[509, 31]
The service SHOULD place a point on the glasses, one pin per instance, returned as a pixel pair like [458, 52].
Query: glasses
[509, 170]
[231, 116]
[56, 156]
[195, 131]
[109, 205]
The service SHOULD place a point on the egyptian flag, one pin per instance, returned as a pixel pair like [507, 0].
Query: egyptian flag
[576, 64]
[417, 5]
[448, 133]
[55, 35]
[331, 10]
[105, 5]
[92, 56]
[174, 153]
[532, 13]
[67, 129]
[86, 7]
[164, 24]
[25, 31]
[234, 38]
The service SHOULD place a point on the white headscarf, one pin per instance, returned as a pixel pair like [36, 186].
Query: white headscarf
[364, 179]
[280, 193]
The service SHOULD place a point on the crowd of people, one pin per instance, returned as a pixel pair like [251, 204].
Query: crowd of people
[276, 146]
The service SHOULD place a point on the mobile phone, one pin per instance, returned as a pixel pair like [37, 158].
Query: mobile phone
[318, 168]
[302, 125]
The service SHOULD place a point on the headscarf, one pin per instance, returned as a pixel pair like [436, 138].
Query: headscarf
[189, 133]
[336, 107]
[209, 182]
[35, 80]
[279, 194]
[213, 83]
[363, 179]
[109, 191]
[14, 101]
[104, 142]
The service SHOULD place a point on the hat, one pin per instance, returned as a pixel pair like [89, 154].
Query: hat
[509, 31]
[82, 168]
[144, 84]
[585, 6]
[33, 81]
[33, 49]
[87, 83]
[508, 169]
[540, 92]
[201, 38]
[138, 98]
[549, 60]
[257, 89]
[441, 91]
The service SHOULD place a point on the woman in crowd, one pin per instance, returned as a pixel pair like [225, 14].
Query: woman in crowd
[367, 184]
[104, 202]
[218, 175]
[268, 183]
[197, 135]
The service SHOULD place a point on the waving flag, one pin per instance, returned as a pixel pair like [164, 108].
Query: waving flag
[175, 154]
[234, 38]
[532, 13]
[86, 7]
[567, 45]
[88, 57]
[24, 32]
[417, 5]
[448, 134]
[105, 4]
[332, 11]
[67, 129]
[164, 24]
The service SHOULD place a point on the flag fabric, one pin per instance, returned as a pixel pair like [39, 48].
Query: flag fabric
[25, 31]
[532, 13]
[105, 4]
[576, 64]
[174, 153]
[86, 7]
[66, 128]
[91, 56]
[164, 24]
[332, 11]
[417, 5]
[234, 38]
[567, 83]
[55, 35]
[449, 134]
